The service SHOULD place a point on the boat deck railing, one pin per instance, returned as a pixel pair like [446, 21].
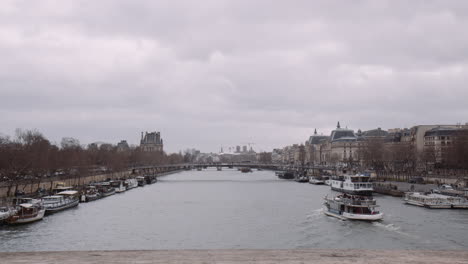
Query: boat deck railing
[359, 202]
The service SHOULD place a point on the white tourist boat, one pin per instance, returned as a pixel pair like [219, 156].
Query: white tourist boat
[352, 184]
[352, 207]
[30, 210]
[435, 201]
[328, 182]
[60, 201]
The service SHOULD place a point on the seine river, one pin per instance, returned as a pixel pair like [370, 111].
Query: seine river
[228, 209]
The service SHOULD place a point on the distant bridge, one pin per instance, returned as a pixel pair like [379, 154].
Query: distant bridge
[155, 169]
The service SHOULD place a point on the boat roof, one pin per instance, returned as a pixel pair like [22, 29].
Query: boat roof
[52, 196]
[71, 192]
[26, 205]
[63, 188]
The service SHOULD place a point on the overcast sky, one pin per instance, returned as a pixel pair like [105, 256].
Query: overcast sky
[212, 73]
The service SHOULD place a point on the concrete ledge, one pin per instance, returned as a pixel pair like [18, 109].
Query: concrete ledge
[240, 256]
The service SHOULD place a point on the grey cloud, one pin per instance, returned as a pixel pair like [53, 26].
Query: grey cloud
[223, 72]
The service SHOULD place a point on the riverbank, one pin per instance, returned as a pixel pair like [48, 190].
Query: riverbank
[323, 256]
[30, 189]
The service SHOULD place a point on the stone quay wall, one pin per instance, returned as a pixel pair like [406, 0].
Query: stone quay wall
[232, 256]
[50, 183]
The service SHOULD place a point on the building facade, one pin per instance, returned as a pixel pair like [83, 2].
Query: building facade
[151, 142]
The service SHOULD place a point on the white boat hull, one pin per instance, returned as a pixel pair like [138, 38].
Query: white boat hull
[432, 206]
[360, 217]
[334, 215]
[62, 207]
[364, 217]
[38, 217]
[5, 215]
[120, 190]
[316, 182]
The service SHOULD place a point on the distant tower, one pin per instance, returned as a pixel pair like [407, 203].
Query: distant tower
[315, 131]
[338, 125]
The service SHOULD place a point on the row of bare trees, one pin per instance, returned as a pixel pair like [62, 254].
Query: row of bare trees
[30, 157]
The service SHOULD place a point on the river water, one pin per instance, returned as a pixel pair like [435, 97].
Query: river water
[212, 209]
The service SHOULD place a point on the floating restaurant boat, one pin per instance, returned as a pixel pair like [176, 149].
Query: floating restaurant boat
[27, 211]
[60, 201]
[352, 207]
[118, 185]
[141, 181]
[352, 184]
[435, 201]
[131, 183]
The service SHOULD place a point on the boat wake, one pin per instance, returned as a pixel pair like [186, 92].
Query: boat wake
[392, 228]
[315, 213]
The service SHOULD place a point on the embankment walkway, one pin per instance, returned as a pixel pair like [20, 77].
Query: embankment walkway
[323, 256]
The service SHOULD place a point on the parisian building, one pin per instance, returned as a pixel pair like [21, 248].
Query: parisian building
[151, 142]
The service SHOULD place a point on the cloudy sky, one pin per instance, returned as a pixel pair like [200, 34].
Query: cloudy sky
[218, 72]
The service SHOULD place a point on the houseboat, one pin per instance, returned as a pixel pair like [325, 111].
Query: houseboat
[118, 185]
[7, 211]
[352, 207]
[245, 169]
[301, 177]
[435, 200]
[318, 180]
[150, 179]
[131, 183]
[141, 181]
[90, 193]
[286, 175]
[60, 201]
[352, 184]
[105, 189]
[29, 211]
